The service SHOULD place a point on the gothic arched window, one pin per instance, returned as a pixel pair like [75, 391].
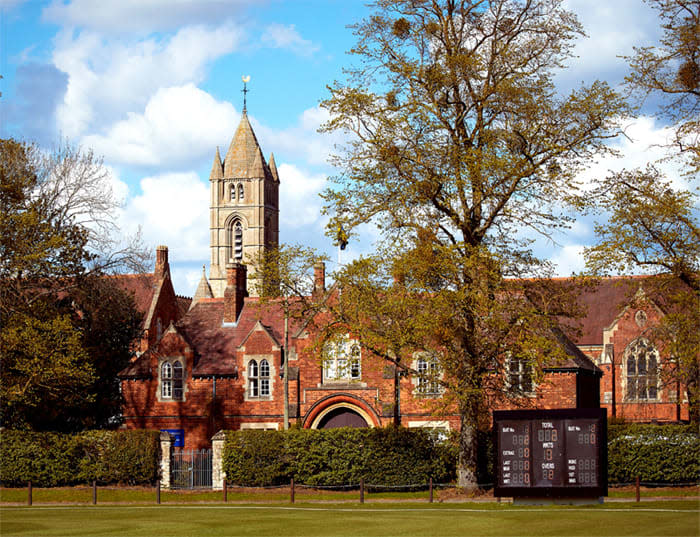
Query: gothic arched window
[232, 195]
[241, 192]
[253, 386]
[641, 368]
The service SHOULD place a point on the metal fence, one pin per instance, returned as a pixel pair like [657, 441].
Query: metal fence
[190, 469]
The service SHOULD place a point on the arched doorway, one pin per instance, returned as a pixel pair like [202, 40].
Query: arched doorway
[341, 417]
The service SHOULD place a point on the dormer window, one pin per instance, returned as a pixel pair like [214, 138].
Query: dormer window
[258, 378]
[171, 380]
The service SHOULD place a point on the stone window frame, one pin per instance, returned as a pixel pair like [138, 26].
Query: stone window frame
[427, 382]
[638, 349]
[171, 385]
[342, 360]
[254, 381]
[241, 192]
[260, 426]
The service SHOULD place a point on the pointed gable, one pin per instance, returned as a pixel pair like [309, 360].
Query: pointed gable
[203, 289]
[244, 158]
[259, 327]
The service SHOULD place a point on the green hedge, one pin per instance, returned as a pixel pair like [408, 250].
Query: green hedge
[55, 459]
[655, 453]
[381, 456]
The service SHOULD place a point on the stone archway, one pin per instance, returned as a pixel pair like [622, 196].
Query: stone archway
[341, 411]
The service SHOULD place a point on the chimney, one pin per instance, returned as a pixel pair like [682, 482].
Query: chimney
[162, 266]
[319, 277]
[235, 292]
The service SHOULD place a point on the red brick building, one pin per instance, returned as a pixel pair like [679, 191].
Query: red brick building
[216, 362]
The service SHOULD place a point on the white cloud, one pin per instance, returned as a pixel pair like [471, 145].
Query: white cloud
[303, 141]
[300, 205]
[172, 209]
[568, 259]
[108, 78]
[178, 125]
[113, 16]
[613, 28]
[286, 37]
[642, 144]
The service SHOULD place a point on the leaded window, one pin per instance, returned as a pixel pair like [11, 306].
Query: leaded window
[428, 375]
[520, 375]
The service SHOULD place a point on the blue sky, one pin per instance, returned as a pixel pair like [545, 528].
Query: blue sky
[154, 86]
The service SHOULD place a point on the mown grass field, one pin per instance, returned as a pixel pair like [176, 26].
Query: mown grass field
[679, 517]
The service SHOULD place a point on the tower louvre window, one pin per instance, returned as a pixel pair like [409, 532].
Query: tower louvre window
[241, 192]
[238, 241]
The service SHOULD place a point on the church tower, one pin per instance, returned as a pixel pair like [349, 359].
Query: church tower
[244, 210]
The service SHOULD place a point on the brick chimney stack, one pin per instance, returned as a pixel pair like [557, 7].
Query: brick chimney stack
[319, 277]
[162, 266]
[235, 292]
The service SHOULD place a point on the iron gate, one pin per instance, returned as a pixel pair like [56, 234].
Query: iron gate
[190, 469]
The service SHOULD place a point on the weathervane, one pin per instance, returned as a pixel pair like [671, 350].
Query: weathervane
[245, 79]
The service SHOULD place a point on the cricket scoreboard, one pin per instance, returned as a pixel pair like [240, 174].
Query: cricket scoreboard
[551, 453]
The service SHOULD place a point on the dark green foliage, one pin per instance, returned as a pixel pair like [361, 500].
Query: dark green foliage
[655, 453]
[381, 456]
[54, 459]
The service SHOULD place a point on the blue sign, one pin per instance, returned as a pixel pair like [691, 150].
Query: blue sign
[178, 436]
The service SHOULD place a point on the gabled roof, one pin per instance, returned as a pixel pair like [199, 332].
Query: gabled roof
[215, 344]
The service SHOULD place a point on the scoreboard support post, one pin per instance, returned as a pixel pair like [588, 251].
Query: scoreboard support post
[551, 456]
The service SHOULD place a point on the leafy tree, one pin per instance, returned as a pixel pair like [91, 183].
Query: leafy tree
[459, 143]
[671, 71]
[65, 329]
[284, 277]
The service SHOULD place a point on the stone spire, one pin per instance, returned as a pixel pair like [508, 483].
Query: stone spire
[203, 289]
[244, 158]
[217, 170]
[273, 168]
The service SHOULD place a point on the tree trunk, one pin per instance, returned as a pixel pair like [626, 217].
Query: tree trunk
[467, 459]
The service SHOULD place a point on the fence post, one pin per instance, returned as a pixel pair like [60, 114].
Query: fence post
[637, 488]
[166, 446]
[225, 489]
[29, 493]
[94, 492]
[158, 492]
[291, 491]
[217, 456]
[362, 491]
[430, 486]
